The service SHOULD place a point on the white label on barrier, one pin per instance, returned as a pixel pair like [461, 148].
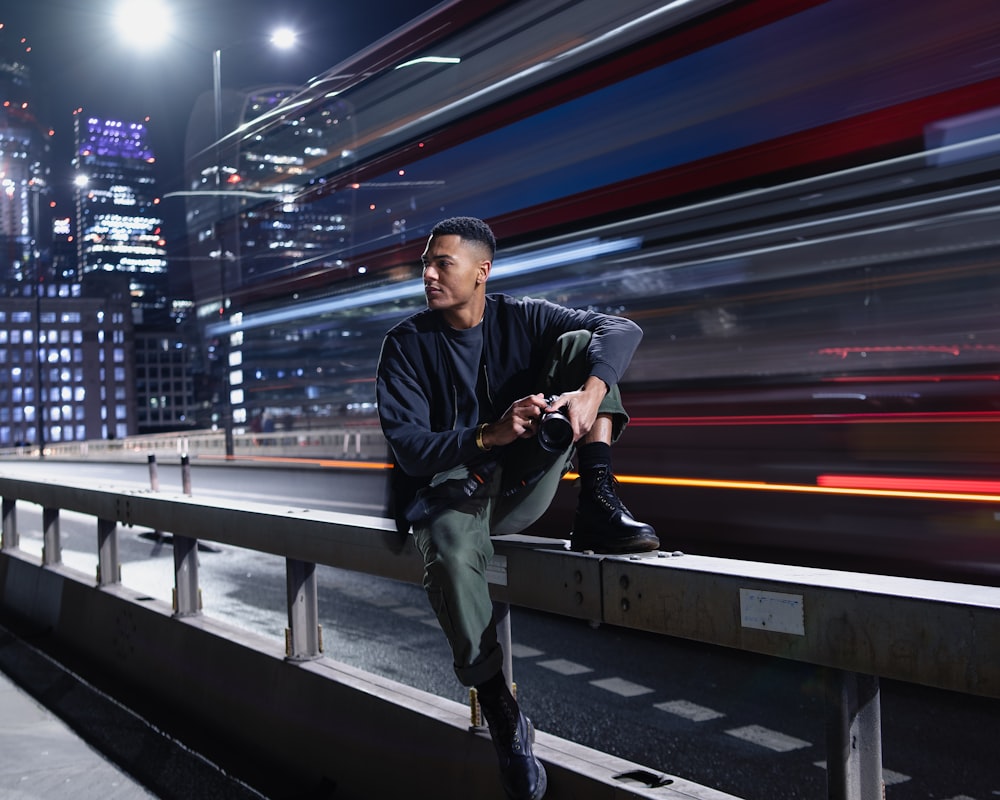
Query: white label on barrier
[496, 570]
[772, 611]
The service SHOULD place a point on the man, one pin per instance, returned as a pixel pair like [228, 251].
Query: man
[462, 390]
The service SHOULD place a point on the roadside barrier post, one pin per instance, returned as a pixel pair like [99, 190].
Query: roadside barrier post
[853, 736]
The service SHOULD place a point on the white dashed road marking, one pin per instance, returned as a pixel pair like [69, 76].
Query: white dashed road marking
[564, 667]
[755, 734]
[890, 778]
[772, 740]
[691, 711]
[621, 687]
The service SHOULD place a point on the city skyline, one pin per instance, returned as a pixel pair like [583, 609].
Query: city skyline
[78, 60]
[67, 73]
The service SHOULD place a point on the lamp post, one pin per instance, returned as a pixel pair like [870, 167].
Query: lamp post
[227, 405]
[142, 20]
[36, 187]
[282, 38]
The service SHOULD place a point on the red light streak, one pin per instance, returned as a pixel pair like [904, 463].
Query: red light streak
[818, 419]
[950, 485]
[909, 378]
[949, 349]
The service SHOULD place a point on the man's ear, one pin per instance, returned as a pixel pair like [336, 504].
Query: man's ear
[484, 272]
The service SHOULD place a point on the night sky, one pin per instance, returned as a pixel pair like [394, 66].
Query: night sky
[79, 59]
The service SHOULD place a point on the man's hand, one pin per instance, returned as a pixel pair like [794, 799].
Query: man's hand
[581, 406]
[520, 421]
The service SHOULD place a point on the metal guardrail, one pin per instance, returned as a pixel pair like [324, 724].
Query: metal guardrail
[361, 442]
[861, 627]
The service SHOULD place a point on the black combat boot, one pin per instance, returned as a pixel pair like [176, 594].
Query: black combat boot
[522, 775]
[603, 524]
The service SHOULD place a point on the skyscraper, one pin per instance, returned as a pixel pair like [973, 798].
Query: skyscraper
[23, 147]
[247, 229]
[120, 241]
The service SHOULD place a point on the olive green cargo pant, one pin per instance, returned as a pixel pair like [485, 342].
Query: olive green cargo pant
[456, 544]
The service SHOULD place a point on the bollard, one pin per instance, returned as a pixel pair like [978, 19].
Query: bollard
[154, 476]
[186, 474]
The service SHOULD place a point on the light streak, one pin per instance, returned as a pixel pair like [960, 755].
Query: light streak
[325, 463]
[901, 417]
[909, 378]
[503, 269]
[798, 488]
[951, 489]
[965, 486]
[948, 349]
[429, 60]
[661, 17]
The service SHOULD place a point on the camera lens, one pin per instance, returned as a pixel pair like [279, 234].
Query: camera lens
[555, 432]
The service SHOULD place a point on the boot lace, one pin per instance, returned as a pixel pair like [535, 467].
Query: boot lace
[603, 492]
[504, 717]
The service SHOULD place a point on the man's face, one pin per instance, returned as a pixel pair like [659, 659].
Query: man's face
[453, 271]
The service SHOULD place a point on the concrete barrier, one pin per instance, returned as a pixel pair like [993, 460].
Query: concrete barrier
[300, 726]
[859, 626]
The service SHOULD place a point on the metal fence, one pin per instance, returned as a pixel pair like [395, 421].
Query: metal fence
[360, 442]
[860, 627]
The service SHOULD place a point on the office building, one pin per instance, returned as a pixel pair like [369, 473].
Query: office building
[120, 243]
[65, 368]
[24, 145]
[166, 383]
[247, 227]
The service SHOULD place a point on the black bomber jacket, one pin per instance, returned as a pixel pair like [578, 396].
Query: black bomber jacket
[415, 385]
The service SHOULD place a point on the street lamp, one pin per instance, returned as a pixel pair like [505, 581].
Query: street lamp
[137, 19]
[149, 19]
[282, 38]
[36, 187]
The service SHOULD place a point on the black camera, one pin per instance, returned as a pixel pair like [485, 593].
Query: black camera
[555, 431]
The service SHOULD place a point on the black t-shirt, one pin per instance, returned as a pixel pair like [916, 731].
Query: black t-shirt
[465, 347]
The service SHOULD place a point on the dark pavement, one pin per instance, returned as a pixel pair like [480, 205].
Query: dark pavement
[55, 729]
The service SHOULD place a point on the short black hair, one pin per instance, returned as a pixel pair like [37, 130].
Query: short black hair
[470, 229]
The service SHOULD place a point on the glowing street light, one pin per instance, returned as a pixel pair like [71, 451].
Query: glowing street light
[284, 38]
[148, 22]
[144, 22]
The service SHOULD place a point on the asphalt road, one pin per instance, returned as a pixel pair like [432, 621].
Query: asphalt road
[748, 725]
